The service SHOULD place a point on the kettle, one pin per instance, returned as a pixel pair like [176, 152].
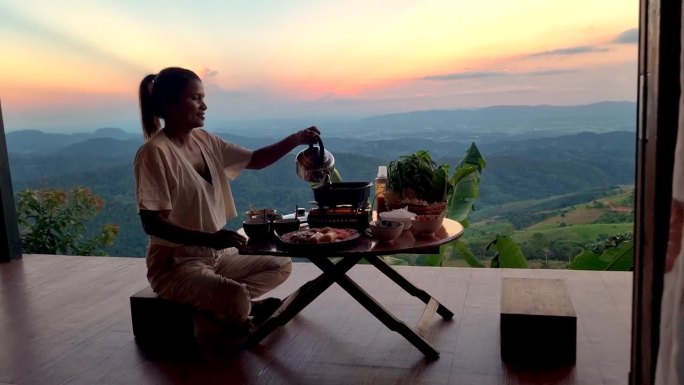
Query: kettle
[315, 164]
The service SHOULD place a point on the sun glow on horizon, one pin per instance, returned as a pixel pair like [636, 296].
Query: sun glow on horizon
[302, 56]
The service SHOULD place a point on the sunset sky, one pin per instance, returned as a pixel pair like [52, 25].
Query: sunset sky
[75, 65]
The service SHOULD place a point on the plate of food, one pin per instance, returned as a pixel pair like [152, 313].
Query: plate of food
[319, 238]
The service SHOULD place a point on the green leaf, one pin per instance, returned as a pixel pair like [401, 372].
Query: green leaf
[464, 252]
[587, 260]
[619, 258]
[335, 176]
[440, 183]
[421, 174]
[462, 171]
[465, 184]
[433, 260]
[508, 252]
[474, 157]
[463, 198]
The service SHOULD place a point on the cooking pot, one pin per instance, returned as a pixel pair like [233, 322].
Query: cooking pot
[332, 195]
[315, 164]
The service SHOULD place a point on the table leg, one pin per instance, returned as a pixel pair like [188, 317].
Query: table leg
[382, 314]
[301, 298]
[407, 285]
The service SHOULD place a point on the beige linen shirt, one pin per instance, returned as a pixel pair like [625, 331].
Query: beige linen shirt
[165, 180]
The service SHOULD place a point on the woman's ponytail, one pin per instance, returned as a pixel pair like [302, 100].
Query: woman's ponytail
[148, 114]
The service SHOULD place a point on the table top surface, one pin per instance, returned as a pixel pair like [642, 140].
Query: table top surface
[407, 242]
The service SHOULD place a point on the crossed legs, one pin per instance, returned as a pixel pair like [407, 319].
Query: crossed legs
[221, 282]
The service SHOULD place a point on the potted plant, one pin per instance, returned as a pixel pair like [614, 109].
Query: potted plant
[426, 188]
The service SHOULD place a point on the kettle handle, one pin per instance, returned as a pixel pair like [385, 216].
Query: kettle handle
[320, 148]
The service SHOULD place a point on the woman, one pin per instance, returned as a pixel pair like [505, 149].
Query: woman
[184, 201]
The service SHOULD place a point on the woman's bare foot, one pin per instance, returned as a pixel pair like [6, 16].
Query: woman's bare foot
[263, 309]
[214, 337]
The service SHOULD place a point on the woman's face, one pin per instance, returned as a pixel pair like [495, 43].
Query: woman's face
[188, 111]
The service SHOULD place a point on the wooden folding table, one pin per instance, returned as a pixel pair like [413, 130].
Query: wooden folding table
[335, 264]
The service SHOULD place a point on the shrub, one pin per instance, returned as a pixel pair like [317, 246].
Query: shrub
[53, 221]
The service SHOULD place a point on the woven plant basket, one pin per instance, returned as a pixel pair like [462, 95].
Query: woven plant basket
[396, 201]
[430, 209]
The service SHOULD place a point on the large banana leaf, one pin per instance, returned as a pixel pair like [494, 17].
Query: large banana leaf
[474, 157]
[430, 259]
[464, 196]
[466, 190]
[619, 258]
[464, 252]
[434, 259]
[508, 254]
[466, 184]
[587, 260]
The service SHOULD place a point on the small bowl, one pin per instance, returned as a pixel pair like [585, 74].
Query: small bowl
[284, 226]
[257, 228]
[388, 216]
[426, 224]
[386, 231]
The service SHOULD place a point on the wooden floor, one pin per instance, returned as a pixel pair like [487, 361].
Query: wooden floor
[66, 320]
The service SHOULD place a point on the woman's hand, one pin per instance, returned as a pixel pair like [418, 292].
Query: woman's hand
[307, 135]
[268, 155]
[226, 238]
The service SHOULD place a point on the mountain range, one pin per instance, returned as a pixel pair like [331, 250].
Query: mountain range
[490, 124]
[597, 154]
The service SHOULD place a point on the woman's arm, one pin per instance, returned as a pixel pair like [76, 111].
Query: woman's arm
[268, 155]
[157, 223]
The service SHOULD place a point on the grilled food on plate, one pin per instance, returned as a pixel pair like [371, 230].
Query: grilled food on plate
[319, 235]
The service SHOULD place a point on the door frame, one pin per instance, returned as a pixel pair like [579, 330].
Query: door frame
[657, 125]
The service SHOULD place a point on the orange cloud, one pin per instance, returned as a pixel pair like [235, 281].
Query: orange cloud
[205, 72]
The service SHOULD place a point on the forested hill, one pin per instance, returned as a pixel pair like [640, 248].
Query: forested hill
[540, 168]
[516, 170]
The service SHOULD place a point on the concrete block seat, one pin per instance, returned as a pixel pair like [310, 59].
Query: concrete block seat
[538, 322]
[161, 323]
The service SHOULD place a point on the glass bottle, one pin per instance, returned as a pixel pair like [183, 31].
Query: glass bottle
[380, 183]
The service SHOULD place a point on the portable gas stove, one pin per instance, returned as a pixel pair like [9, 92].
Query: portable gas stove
[341, 217]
